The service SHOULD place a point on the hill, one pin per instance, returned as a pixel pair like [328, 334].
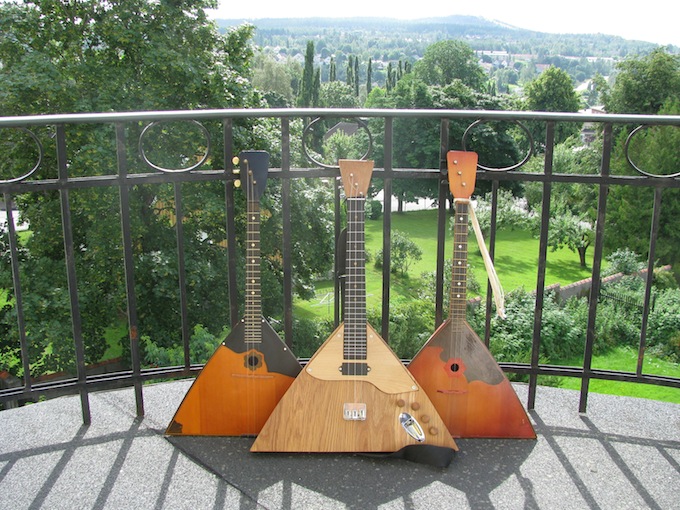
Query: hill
[480, 33]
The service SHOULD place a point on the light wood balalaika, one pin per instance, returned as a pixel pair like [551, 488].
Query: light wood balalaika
[459, 374]
[354, 395]
[252, 368]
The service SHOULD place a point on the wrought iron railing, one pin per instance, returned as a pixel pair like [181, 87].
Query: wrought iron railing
[122, 179]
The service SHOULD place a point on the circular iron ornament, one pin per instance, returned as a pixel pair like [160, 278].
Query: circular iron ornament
[37, 164]
[309, 127]
[507, 168]
[630, 161]
[203, 159]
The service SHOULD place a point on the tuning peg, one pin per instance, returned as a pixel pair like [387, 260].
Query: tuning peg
[237, 183]
[235, 161]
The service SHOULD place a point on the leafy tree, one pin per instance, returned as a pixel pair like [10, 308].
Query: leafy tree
[567, 229]
[274, 79]
[336, 94]
[553, 91]
[644, 84]
[629, 210]
[445, 61]
[138, 55]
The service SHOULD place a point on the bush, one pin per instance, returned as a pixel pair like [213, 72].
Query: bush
[411, 324]
[562, 333]
[202, 345]
[403, 252]
[308, 335]
[623, 261]
[373, 209]
[663, 330]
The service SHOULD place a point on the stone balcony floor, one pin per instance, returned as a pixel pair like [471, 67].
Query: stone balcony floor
[623, 454]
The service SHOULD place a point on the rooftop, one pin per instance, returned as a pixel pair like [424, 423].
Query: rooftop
[625, 453]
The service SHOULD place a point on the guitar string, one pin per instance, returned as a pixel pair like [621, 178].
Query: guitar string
[355, 298]
[250, 195]
[352, 320]
[458, 290]
[253, 299]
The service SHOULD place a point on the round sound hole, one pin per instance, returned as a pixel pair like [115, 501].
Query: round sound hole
[455, 367]
[252, 360]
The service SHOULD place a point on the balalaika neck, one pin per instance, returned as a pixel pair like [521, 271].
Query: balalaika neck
[354, 343]
[253, 312]
[458, 298]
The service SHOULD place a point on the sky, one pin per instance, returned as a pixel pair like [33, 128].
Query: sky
[653, 21]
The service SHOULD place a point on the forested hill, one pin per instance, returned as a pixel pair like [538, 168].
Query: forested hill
[410, 37]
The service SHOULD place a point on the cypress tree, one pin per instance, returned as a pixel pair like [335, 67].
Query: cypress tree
[307, 84]
[369, 77]
[356, 76]
[316, 88]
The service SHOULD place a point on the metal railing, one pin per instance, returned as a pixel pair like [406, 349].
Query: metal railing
[123, 180]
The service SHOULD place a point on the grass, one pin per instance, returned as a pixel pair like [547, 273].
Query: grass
[516, 260]
[625, 359]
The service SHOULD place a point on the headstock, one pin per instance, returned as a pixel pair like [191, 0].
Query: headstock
[254, 168]
[462, 167]
[356, 176]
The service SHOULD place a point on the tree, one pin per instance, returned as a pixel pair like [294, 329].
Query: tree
[369, 77]
[137, 55]
[306, 92]
[274, 79]
[445, 61]
[332, 71]
[629, 213]
[650, 85]
[553, 91]
[567, 229]
[336, 94]
[643, 84]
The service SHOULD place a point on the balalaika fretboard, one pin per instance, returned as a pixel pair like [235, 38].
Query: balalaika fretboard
[457, 296]
[253, 312]
[354, 344]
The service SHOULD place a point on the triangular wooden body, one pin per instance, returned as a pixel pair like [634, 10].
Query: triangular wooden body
[238, 387]
[467, 387]
[246, 376]
[354, 395]
[310, 416]
[456, 370]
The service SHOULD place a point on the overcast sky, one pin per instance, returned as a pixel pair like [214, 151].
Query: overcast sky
[655, 21]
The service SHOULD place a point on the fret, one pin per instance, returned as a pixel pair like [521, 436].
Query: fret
[253, 298]
[354, 342]
[458, 291]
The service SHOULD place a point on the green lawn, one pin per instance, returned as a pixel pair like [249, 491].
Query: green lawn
[516, 261]
[625, 359]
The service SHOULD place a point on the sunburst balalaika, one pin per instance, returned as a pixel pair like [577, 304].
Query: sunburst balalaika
[355, 395]
[252, 368]
[468, 388]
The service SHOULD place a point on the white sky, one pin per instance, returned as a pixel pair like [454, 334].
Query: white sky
[654, 21]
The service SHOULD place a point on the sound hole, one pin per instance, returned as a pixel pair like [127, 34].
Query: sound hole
[455, 367]
[252, 361]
